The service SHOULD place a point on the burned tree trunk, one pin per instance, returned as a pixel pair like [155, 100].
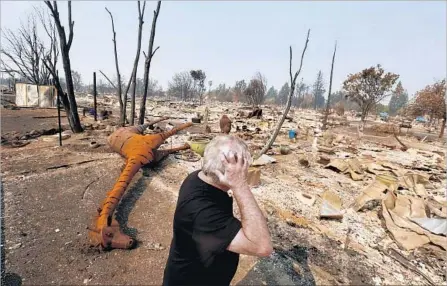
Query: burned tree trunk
[147, 64]
[330, 89]
[289, 99]
[133, 78]
[70, 101]
[404, 147]
[94, 96]
[118, 76]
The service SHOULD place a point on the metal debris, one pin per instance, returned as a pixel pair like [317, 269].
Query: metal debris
[434, 225]
[263, 160]
[331, 206]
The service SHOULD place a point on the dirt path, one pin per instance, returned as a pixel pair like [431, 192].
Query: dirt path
[50, 196]
[47, 213]
[27, 119]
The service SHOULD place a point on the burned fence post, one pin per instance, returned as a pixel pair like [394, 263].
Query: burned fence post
[58, 115]
[94, 95]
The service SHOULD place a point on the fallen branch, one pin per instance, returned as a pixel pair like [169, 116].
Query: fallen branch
[52, 116]
[405, 262]
[74, 164]
[8, 101]
[170, 117]
[113, 85]
[16, 144]
[86, 188]
[289, 100]
[404, 147]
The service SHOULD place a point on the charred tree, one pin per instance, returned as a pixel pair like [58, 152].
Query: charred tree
[133, 79]
[289, 100]
[147, 64]
[65, 44]
[330, 88]
[49, 59]
[23, 51]
[118, 75]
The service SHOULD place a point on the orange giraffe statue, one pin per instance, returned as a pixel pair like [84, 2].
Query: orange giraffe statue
[138, 150]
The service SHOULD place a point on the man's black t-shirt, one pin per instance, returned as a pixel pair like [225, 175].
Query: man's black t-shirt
[204, 226]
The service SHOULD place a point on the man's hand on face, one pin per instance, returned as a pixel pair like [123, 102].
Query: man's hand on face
[236, 171]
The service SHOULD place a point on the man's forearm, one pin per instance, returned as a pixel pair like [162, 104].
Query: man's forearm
[254, 224]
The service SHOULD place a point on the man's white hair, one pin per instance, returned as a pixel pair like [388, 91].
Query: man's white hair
[223, 144]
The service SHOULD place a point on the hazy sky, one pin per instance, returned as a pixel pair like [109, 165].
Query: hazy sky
[234, 39]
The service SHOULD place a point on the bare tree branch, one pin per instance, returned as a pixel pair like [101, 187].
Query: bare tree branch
[22, 52]
[53, 53]
[256, 89]
[290, 60]
[155, 51]
[70, 104]
[141, 11]
[70, 25]
[48, 3]
[404, 147]
[111, 83]
[330, 89]
[147, 64]
[289, 100]
[133, 78]
[118, 75]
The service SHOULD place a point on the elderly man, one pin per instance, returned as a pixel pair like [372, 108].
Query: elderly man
[207, 237]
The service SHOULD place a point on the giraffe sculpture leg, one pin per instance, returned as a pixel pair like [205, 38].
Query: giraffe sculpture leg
[138, 150]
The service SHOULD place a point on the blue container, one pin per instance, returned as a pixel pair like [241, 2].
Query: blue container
[292, 134]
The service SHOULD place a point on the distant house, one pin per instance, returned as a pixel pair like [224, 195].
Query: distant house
[27, 95]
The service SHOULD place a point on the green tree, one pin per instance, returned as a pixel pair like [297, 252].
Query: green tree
[381, 108]
[181, 86]
[431, 101]
[271, 93]
[318, 91]
[398, 100]
[199, 77]
[255, 91]
[336, 97]
[223, 93]
[153, 85]
[339, 98]
[238, 90]
[283, 94]
[369, 87]
[300, 91]
[77, 80]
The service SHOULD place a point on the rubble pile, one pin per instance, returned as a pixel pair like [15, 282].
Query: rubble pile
[385, 199]
[363, 192]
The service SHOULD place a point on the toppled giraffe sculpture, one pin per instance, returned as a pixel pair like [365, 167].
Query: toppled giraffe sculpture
[138, 150]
